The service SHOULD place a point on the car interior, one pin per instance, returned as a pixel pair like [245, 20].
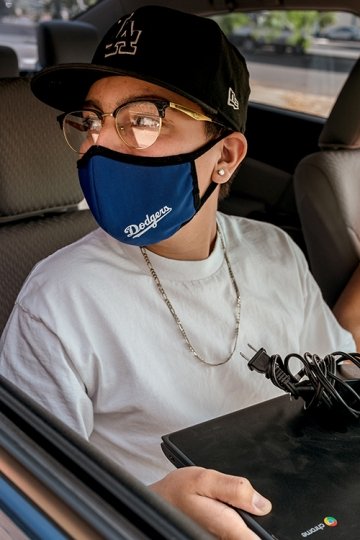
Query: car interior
[56, 486]
[327, 191]
[36, 194]
[301, 173]
[39, 193]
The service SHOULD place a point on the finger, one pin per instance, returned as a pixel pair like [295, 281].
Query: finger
[219, 519]
[208, 497]
[186, 488]
[234, 490]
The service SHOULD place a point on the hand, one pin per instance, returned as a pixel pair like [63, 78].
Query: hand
[205, 495]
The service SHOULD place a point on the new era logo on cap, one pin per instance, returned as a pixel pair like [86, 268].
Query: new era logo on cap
[232, 99]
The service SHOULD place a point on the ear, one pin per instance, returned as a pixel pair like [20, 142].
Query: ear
[234, 148]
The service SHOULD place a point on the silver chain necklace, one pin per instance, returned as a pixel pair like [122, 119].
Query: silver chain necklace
[175, 316]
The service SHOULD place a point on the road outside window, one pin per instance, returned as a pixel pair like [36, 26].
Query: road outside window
[298, 60]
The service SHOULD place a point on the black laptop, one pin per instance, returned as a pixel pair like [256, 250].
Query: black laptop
[306, 462]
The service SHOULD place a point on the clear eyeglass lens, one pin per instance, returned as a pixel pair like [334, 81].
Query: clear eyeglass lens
[138, 124]
[81, 130]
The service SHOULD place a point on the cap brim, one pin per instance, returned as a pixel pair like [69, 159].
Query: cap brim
[65, 86]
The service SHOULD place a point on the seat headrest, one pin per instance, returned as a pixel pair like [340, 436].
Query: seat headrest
[9, 63]
[37, 169]
[60, 42]
[342, 128]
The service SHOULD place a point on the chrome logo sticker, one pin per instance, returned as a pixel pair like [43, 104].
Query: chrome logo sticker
[328, 521]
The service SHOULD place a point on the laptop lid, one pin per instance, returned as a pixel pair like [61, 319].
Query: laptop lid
[306, 462]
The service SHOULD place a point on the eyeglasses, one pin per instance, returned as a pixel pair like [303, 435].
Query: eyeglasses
[137, 123]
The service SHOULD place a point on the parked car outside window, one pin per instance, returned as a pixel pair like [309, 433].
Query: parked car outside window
[343, 33]
[278, 40]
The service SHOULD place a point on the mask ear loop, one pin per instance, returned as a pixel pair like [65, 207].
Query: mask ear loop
[210, 189]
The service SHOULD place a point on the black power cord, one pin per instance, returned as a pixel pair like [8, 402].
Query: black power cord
[319, 382]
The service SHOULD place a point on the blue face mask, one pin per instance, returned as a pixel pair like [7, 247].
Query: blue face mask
[140, 200]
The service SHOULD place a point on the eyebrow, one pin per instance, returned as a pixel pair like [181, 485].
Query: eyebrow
[94, 103]
[91, 104]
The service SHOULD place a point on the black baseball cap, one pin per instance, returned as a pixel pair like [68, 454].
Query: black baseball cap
[187, 54]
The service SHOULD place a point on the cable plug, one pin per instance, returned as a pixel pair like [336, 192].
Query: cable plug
[260, 361]
[272, 367]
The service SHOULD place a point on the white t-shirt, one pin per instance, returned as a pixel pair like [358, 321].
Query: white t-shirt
[92, 340]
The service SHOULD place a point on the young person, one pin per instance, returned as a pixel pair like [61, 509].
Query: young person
[136, 330]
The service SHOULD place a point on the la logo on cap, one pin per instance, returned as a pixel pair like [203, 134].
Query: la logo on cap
[125, 40]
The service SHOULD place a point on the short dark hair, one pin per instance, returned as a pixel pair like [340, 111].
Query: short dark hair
[213, 131]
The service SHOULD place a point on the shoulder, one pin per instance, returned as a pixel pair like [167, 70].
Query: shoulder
[67, 260]
[258, 238]
[73, 270]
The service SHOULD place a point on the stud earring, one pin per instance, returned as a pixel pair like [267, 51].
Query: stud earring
[221, 172]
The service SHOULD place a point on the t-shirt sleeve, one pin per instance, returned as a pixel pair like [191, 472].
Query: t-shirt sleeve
[35, 360]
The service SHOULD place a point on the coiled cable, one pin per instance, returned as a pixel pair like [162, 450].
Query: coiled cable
[318, 382]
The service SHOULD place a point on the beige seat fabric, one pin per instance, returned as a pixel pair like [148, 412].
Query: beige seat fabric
[327, 188]
[39, 189]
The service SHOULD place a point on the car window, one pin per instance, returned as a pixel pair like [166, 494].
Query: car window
[9, 529]
[19, 20]
[298, 60]
[25, 516]
[55, 486]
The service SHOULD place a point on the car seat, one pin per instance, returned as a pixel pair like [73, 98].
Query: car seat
[327, 190]
[9, 63]
[40, 196]
[39, 189]
[60, 42]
